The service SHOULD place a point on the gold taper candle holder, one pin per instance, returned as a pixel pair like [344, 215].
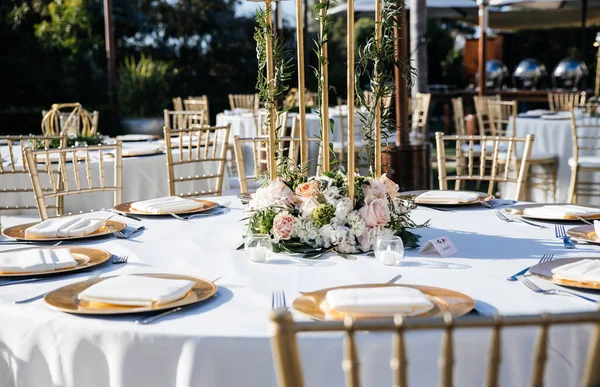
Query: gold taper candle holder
[301, 88]
[271, 79]
[378, 101]
[350, 86]
[324, 93]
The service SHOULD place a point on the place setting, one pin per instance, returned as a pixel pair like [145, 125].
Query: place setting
[175, 206]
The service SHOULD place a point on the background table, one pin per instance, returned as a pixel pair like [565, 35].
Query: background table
[225, 342]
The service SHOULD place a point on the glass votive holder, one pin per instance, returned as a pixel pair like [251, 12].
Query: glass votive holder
[389, 250]
[258, 247]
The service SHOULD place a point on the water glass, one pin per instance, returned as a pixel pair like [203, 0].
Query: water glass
[258, 247]
[389, 250]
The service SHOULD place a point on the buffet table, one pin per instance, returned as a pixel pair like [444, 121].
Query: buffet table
[225, 341]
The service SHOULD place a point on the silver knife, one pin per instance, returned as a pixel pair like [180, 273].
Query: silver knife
[123, 214]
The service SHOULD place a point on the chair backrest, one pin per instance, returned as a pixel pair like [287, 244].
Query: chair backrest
[585, 129]
[59, 185]
[12, 163]
[284, 331]
[280, 123]
[310, 98]
[563, 102]
[486, 158]
[502, 117]
[459, 116]
[177, 104]
[419, 111]
[183, 119]
[77, 122]
[244, 101]
[198, 104]
[207, 159]
[482, 112]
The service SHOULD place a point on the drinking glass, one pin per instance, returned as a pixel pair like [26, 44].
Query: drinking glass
[258, 247]
[389, 250]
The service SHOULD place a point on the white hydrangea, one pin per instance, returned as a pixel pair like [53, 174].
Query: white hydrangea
[331, 195]
[331, 235]
[343, 207]
[308, 206]
[306, 231]
[356, 224]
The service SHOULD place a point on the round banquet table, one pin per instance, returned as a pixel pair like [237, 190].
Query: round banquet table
[555, 137]
[225, 341]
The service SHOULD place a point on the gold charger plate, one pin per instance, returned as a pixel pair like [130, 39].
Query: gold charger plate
[65, 299]
[584, 234]
[483, 197]
[126, 208]
[149, 152]
[18, 232]
[519, 208]
[444, 300]
[86, 258]
[544, 271]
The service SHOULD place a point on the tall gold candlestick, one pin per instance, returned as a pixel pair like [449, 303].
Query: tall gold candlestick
[301, 90]
[271, 80]
[350, 85]
[324, 94]
[378, 37]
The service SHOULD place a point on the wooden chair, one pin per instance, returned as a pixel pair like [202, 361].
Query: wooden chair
[473, 166]
[183, 119]
[419, 114]
[482, 113]
[459, 116]
[210, 143]
[311, 99]
[563, 102]
[10, 164]
[77, 122]
[75, 156]
[284, 332]
[177, 104]
[198, 104]
[244, 101]
[586, 154]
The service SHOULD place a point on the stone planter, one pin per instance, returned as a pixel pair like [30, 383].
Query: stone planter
[144, 125]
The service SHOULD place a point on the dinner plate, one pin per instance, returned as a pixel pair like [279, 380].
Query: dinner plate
[126, 208]
[483, 197]
[65, 299]
[137, 152]
[18, 232]
[584, 234]
[519, 208]
[544, 271]
[444, 300]
[86, 258]
[136, 137]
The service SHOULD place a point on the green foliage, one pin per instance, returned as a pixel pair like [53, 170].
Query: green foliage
[94, 139]
[143, 86]
[322, 214]
[364, 29]
[261, 221]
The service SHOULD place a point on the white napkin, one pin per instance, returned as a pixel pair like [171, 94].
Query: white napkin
[64, 227]
[137, 290]
[597, 228]
[141, 150]
[447, 196]
[378, 301]
[36, 260]
[135, 137]
[166, 205]
[586, 270]
[558, 211]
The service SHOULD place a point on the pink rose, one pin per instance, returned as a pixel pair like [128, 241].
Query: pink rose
[375, 212]
[310, 189]
[390, 187]
[283, 226]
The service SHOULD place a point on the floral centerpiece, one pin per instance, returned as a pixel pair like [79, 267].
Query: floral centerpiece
[315, 215]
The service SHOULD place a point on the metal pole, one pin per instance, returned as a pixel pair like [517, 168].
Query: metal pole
[483, 14]
[111, 52]
[271, 80]
[324, 94]
[301, 87]
[401, 87]
[350, 87]
[378, 37]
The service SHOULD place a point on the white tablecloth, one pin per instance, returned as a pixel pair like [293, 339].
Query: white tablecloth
[144, 177]
[225, 341]
[554, 137]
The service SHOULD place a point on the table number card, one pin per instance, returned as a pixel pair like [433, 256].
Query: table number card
[441, 246]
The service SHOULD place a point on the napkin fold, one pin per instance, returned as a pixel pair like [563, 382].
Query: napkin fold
[64, 227]
[36, 260]
[379, 301]
[561, 211]
[586, 270]
[447, 197]
[136, 290]
[166, 205]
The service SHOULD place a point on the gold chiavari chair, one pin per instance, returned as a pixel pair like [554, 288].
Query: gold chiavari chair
[280, 123]
[210, 143]
[482, 113]
[244, 101]
[79, 122]
[177, 104]
[311, 99]
[284, 332]
[183, 119]
[61, 187]
[459, 116]
[198, 104]
[495, 166]
[12, 163]
[419, 110]
[562, 102]
[586, 154]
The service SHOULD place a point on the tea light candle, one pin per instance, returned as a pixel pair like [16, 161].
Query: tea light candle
[257, 254]
[387, 257]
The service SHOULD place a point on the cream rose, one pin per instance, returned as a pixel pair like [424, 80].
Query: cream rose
[375, 213]
[310, 189]
[390, 187]
[283, 226]
[375, 189]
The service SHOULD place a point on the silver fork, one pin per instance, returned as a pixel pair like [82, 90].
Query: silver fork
[525, 281]
[34, 298]
[559, 231]
[128, 234]
[545, 258]
[278, 300]
[504, 218]
[116, 260]
[201, 215]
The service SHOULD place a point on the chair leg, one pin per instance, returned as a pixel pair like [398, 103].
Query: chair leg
[573, 189]
[554, 169]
